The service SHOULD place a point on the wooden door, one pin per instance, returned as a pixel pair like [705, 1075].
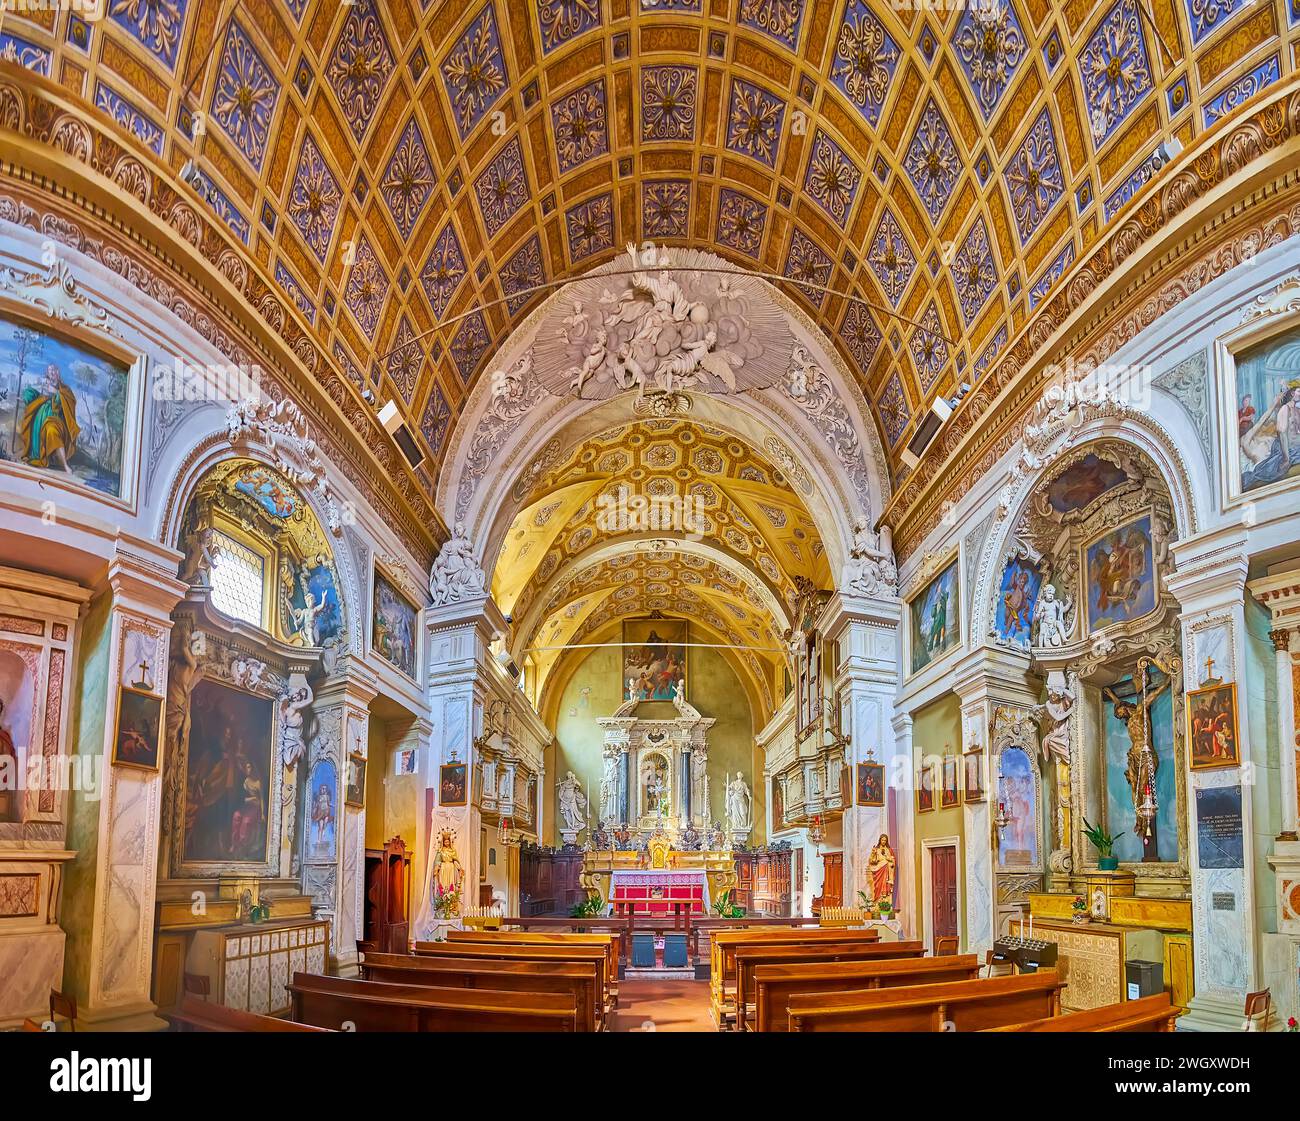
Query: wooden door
[943, 891]
[832, 879]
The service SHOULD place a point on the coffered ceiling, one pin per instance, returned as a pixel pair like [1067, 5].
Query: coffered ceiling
[394, 165]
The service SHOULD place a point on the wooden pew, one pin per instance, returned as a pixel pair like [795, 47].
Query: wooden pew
[547, 938]
[559, 924]
[749, 958]
[582, 980]
[505, 951]
[772, 985]
[193, 1014]
[954, 1006]
[378, 1006]
[1148, 1013]
[722, 954]
[711, 924]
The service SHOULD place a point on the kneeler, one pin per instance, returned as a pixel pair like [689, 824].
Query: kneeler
[643, 951]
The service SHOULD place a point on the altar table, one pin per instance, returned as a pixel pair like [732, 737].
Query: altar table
[654, 891]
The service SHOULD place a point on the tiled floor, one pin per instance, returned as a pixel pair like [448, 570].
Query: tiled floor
[663, 1006]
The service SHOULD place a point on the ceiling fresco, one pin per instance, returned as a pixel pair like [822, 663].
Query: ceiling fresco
[397, 164]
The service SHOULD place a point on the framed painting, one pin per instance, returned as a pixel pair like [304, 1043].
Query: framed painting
[405, 762]
[65, 406]
[1119, 576]
[949, 794]
[1264, 442]
[871, 784]
[452, 785]
[1083, 482]
[138, 742]
[1017, 594]
[321, 844]
[1212, 726]
[935, 614]
[355, 790]
[925, 788]
[654, 658]
[228, 776]
[973, 775]
[1018, 792]
[393, 626]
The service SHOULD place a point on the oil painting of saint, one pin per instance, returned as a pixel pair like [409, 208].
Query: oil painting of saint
[1212, 726]
[228, 776]
[1121, 582]
[393, 628]
[654, 659]
[936, 619]
[63, 407]
[1268, 412]
[322, 799]
[139, 728]
[1017, 595]
[1082, 483]
[1018, 800]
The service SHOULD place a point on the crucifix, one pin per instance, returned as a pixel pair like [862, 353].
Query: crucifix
[1209, 669]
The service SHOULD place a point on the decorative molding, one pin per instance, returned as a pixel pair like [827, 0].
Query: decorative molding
[1188, 383]
[55, 292]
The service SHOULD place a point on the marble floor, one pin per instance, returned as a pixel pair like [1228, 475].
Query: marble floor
[662, 1005]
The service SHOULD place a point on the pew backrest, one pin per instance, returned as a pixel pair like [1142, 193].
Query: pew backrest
[722, 948]
[1148, 1013]
[505, 951]
[610, 941]
[193, 1014]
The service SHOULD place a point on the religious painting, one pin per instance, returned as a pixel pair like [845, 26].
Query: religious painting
[948, 793]
[654, 659]
[1132, 716]
[228, 775]
[404, 762]
[1018, 803]
[393, 626]
[1017, 594]
[315, 613]
[973, 775]
[1268, 411]
[1212, 726]
[355, 788]
[925, 788]
[322, 816]
[63, 407]
[936, 618]
[654, 784]
[452, 784]
[871, 784]
[19, 670]
[1082, 483]
[139, 729]
[265, 488]
[1121, 579]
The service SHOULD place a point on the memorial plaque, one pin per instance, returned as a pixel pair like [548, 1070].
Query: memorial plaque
[1218, 827]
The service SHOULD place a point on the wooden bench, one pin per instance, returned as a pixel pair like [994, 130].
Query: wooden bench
[558, 924]
[547, 938]
[749, 958]
[505, 951]
[193, 1014]
[772, 985]
[722, 954]
[1148, 1013]
[352, 1005]
[954, 1006]
[582, 980]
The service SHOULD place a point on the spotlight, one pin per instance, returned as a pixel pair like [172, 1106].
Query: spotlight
[1166, 151]
[191, 174]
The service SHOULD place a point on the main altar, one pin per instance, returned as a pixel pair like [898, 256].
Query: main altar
[659, 879]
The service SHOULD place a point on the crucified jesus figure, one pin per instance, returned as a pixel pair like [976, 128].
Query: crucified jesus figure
[1142, 761]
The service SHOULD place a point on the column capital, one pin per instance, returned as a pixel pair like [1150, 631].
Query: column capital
[1209, 582]
[480, 612]
[843, 609]
[142, 577]
[996, 675]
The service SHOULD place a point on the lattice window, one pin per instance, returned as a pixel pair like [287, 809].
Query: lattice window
[238, 578]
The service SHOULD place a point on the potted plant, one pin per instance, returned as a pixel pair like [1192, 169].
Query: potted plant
[1079, 906]
[725, 908]
[886, 909]
[591, 907]
[1103, 842]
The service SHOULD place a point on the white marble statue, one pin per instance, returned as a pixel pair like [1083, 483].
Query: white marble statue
[573, 804]
[609, 788]
[739, 805]
[456, 575]
[870, 569]
[1050, 615]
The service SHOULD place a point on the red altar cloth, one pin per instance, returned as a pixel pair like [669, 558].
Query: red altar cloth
[655, 892]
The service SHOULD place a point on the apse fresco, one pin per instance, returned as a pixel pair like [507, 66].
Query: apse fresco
[936, 619]
[1268, 411]
[393, 629]
[1120, 813]
[228, 776]
[62, 407]
[1082, 483]
[1018, 797]
[1121, 582]
[266, 489]
[1017, 594]
[654, 658]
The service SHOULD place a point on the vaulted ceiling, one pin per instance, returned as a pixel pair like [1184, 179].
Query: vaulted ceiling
[396, 165]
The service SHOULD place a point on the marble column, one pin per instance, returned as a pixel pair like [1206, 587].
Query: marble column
[458, 640]
[1228, 904]
[110, 886]
[347, 694]
[865, 632]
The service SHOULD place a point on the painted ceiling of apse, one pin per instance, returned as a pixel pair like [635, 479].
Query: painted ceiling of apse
[719, 487]
[393, 164]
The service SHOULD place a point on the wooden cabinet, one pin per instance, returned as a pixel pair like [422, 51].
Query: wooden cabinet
[550, 881]
[832, 894]
[764, 879]
[386, 914]
[248, 966]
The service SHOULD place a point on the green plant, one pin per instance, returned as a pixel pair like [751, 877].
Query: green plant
[1078, 904]
[865, 901]
[590, 908]
[724, 908]
[1102, 841]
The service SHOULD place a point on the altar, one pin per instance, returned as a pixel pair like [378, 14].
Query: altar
[655, 891]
